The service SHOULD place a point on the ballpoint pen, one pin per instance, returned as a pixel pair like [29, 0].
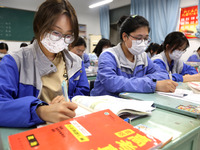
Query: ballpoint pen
[65, 91]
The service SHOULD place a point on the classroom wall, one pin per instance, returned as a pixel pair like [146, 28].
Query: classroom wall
[194, 43]
[91, 20]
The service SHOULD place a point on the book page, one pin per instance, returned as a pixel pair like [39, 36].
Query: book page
[97, 103]
[188, 95]
[194, 86]
[178, 93]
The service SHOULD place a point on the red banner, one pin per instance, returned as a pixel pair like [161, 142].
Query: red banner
[189, 21]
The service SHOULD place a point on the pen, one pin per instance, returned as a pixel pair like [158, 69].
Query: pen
[65, 91]
[170, 75]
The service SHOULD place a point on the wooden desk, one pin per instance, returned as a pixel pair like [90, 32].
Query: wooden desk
[185, 130]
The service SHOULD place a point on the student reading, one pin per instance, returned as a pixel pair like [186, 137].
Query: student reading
[34, 74]
[79, 49]
[126, 67]
[175, 44]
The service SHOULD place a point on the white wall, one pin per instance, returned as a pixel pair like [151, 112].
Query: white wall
[194, 43]
[91, 19]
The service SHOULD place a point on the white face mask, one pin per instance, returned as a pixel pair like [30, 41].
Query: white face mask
[137, 49]
[54, 46]
[176, 54]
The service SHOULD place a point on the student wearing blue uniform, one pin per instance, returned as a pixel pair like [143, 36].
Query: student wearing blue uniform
[79, 49]
[3, 50]
[195, 57]
[126, 67]
[174, 46]
[31, 77]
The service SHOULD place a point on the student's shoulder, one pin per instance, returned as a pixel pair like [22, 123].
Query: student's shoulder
[23, 52]
[73, 59]
[157, 57]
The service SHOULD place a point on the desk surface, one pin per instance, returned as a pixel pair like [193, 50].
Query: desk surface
[164, 102]
[5, 132]
[185, 130]
[91, 78]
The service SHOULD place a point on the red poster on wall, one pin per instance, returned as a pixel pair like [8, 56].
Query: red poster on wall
[189, 21]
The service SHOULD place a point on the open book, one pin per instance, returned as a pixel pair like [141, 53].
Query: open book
[124, 108]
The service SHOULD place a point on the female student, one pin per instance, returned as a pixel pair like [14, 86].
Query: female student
[79, 49]
[153, 49]
[31, 77]
[174, 46]
[101, 46]
[126, 67]
[3, 50]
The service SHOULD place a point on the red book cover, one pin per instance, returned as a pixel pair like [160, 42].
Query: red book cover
[102, 130]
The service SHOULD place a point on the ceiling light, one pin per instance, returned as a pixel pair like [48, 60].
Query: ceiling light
[100, 3]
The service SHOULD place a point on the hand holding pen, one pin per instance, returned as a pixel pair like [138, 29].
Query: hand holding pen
[59, 109]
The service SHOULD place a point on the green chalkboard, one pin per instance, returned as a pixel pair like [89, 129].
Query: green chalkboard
[16, 24]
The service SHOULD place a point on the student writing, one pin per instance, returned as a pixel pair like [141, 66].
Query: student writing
[174, 46]
[31, 77]
[126, 67]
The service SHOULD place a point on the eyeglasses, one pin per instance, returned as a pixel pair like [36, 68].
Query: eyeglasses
[140, 40]
[56, 36]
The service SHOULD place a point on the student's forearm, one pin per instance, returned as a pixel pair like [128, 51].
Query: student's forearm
[190, 78]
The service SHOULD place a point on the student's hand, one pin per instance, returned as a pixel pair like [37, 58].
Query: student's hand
[191, 78]
[166, 86]
[57, 112]
[58, 99]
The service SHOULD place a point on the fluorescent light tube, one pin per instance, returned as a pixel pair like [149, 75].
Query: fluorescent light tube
[100, 3]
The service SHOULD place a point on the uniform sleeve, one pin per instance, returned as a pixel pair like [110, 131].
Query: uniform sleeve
[193, 58]
[15, 111]
[86, 61]
[78, 84]
[187, 69]
[160, 63]
[156, 72]
[143, 81]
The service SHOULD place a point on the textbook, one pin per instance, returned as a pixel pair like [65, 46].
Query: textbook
[195, 87]
[124, 108]
[102, 130]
